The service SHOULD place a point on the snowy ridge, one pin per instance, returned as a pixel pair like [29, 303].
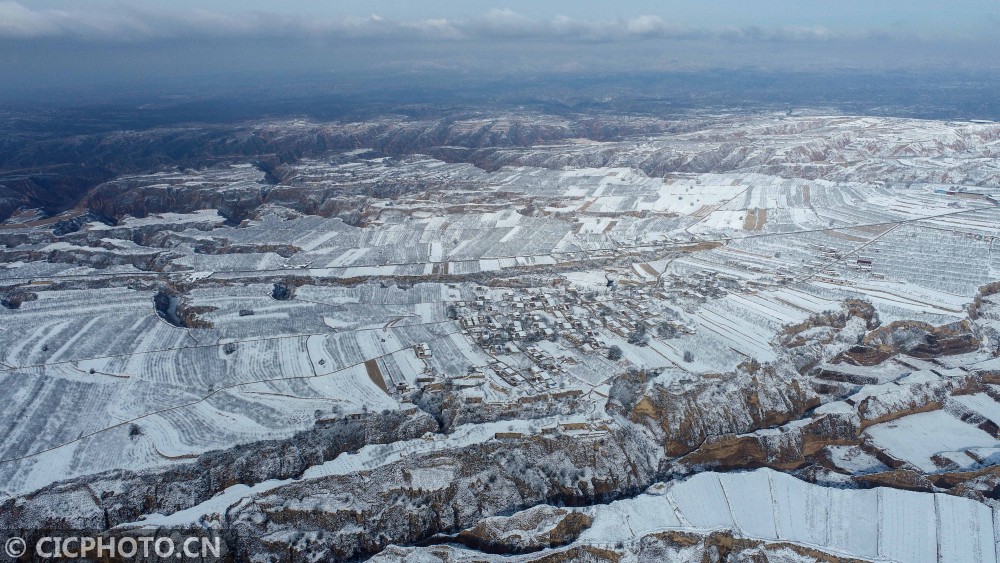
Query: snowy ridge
[366, 459]
[878, 524]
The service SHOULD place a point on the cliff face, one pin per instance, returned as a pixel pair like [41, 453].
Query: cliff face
[656, 546]
[916, 339]
[753, 398]
[107, 500]
[534, 529]
[409, 502]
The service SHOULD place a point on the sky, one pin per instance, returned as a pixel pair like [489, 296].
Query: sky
[27, 17]
[85, 45]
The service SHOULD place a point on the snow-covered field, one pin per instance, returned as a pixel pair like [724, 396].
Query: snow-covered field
[843, 261]
[878, 524]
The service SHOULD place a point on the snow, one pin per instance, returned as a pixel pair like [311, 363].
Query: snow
[211, 510]
[907, 530]
[623, 519]
[854, 460]
[703, 502]
[881, 524]
[915, 438]
[431, 478]
[964, 529]
[927, 270]
[367, 458]
[745, 502]
[982, 404]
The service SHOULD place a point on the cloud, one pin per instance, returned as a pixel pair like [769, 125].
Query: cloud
[130, 24]
[19, 22]
[436, 27]
[785, 34]
[504, 23]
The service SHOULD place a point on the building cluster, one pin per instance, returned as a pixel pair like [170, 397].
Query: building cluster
[534, 335]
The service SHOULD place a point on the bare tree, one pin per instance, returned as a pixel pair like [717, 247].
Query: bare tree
[615, 353]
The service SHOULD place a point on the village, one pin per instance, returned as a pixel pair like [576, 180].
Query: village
[543, 340]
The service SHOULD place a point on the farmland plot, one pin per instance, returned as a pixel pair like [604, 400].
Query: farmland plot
[767, 505]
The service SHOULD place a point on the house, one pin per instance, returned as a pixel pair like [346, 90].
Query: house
[423, 350]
